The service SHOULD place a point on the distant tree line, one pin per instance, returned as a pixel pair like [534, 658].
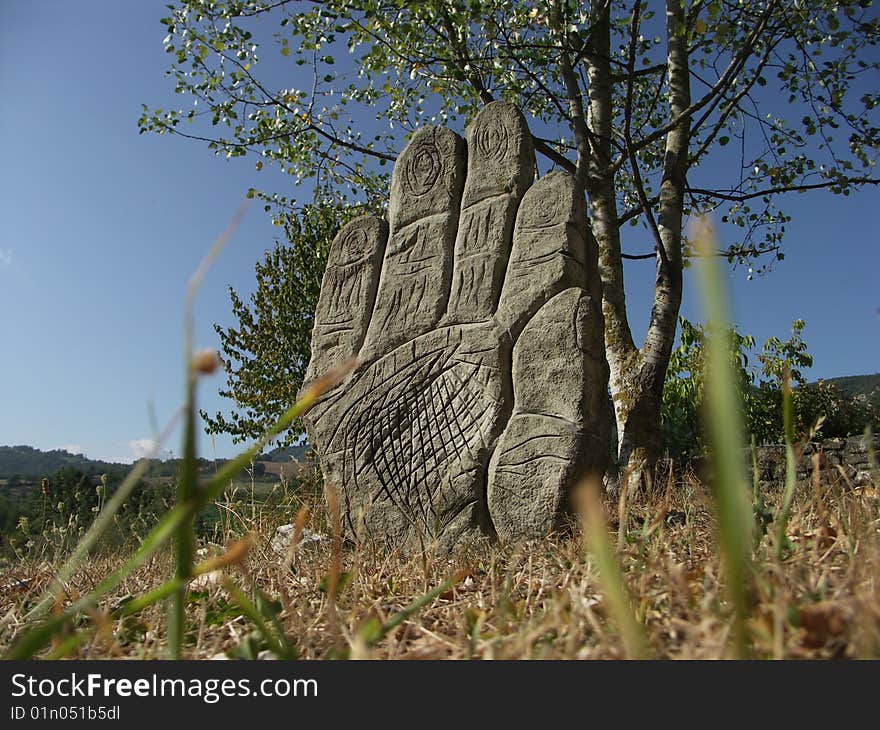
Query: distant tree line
[29, 464]
[58, 509]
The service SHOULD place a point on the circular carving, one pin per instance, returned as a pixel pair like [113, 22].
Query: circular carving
[543, 213]
[546, 205]
[493, 138]
[354, 243]
[349, 248]
[422, 168]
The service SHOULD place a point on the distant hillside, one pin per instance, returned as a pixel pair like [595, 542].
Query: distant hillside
[29, 463]
[297, 453]
[865, 387]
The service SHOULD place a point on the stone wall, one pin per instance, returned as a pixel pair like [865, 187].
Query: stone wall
[837, 457]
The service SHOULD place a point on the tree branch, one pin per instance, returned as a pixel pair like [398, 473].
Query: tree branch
[575, 102]
[738, 197]
[723, 83]
[485, 96]
[627, 127]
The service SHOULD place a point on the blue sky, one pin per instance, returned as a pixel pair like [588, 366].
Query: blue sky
[101, 228]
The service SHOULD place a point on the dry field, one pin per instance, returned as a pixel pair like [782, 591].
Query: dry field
[816, 596]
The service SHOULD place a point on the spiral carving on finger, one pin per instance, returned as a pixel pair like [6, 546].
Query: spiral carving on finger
[353, 245]
[422, 168]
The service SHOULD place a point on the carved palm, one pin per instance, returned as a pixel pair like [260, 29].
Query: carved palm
[480, 396]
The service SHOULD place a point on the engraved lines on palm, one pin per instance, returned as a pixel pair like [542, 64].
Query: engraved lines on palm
[419, 430]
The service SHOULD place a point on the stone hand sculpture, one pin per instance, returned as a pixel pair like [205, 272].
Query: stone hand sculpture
[480, 397]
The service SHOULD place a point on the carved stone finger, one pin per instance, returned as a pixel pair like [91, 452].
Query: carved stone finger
[558, 431]
[423, 214]
[551, 248]
[501, 166]
[348, 291]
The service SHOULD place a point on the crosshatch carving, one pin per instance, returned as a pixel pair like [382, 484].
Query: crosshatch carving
[412, 440]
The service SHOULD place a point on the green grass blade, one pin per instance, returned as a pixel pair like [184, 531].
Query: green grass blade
[872, 455]
[101, 523]
[372, 634]
[36, 638]
[790, 466]
[69, 644]
[39, 635]
[129, 608]
[276, 641]
[724, 425]
[218, 482]
[184, 539]
[160, 593]
[613, 583]
[187, 485]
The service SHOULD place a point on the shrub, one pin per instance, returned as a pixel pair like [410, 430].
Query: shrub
[820, 408]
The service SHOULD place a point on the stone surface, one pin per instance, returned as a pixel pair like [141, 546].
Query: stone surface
[348, 291]
[501, 166]
[846, 461]
[423, 212]
[284, 534]
[480, 398]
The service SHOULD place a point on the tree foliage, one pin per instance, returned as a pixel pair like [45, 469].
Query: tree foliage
[835, 412]
[683, 391]
[771, 78]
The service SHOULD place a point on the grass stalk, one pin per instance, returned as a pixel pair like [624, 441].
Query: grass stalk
[373, 632]
[275, 640]
[69, 644]
[610, 573]
[187, 484]
[177, 522]
[790, 466]
[97, 528]
[37, 636]
[725, 430]
[872, 455]
[184, 538]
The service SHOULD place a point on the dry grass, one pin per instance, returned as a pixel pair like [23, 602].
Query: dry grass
[540, 600]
